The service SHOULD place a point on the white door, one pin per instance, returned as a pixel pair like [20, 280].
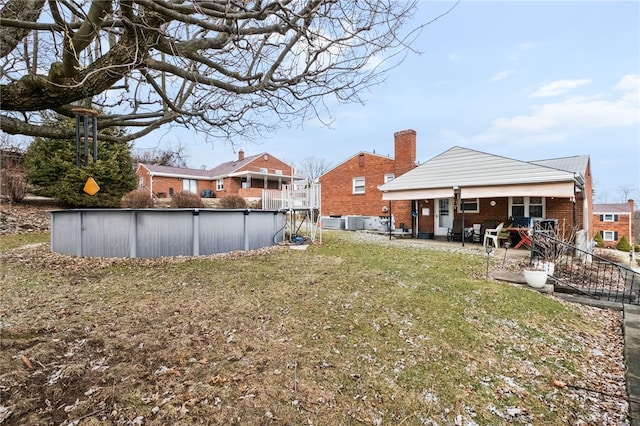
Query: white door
[444, 216]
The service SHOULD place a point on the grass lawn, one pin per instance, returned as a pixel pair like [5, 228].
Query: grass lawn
[345, 332]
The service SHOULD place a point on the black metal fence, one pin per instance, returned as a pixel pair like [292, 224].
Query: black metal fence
[583, 272]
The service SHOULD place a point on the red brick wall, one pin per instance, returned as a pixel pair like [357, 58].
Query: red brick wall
[337, 184]
[621, 226]
[161, 185]
[230, 186]
[405, 151]
[268, 162]
[143, 174]
[561, 209]
[233, 185]
[497, 213]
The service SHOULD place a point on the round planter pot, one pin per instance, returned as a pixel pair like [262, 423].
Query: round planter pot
[535, 279]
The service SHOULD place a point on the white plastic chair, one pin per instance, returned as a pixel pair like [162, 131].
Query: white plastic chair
[493, 235]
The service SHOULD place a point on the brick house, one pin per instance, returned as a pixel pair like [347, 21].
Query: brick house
[614, 221]
[351, 187]
[245, 176]
[491, 188]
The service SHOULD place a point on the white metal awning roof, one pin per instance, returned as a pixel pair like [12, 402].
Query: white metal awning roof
[479, 175]
[558, 190]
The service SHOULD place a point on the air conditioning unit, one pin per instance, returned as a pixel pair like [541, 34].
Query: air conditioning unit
[354, 223]
[332, 223]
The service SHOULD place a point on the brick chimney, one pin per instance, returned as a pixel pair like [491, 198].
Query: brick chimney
[241, 155]
[405, 151]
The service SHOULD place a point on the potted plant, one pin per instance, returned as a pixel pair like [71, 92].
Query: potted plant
[535, 276]
[549, 245]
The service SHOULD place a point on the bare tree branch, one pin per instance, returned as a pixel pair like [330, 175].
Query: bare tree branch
[219, 67]
[313, 168]
[25, 11]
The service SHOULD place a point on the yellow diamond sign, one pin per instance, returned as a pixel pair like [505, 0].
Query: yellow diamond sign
[91, 187]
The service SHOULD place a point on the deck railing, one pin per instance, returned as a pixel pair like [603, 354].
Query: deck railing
[586, 273]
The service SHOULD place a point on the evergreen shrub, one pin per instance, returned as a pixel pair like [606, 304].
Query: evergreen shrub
[623, 244]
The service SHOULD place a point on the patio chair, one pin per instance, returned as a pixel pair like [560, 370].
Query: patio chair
[455, 232]
[493, 235]
[477, 233]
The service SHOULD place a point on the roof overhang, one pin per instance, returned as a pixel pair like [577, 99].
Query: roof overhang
[248, 173]
[556, 189]
[179, 175]
[418, 194]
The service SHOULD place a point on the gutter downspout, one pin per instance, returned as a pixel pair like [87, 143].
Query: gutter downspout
[575, 192]
[151, 183]
[390, 216]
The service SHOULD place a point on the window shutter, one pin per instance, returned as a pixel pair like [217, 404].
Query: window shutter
[615, 235]
[601, 235]
[615, 219]
[601, 218]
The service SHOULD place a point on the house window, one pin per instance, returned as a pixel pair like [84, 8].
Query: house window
[141, 182]
[389, 177]
[263, 170]
[536, 207]
[358, 185]
[609, 217]
[219, 184]
[190, 185]
[278, 172]
[471, 205]
[609, 235]
[527, 207]
[517, 207]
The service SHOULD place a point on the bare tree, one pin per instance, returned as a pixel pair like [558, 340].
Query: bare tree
[313, 168]
[170, 156]
[221, 67]
[626, 192]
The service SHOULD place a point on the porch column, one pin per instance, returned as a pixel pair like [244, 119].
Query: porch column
[390, 216]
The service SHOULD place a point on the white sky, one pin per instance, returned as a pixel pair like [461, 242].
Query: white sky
[526, 80]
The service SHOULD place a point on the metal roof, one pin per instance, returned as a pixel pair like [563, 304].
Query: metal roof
[577, 164]
[465, 167]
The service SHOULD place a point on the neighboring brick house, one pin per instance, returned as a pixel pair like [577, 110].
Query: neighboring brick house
[246, 176]
[495, 189]
[614, 221]
[351, 187]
